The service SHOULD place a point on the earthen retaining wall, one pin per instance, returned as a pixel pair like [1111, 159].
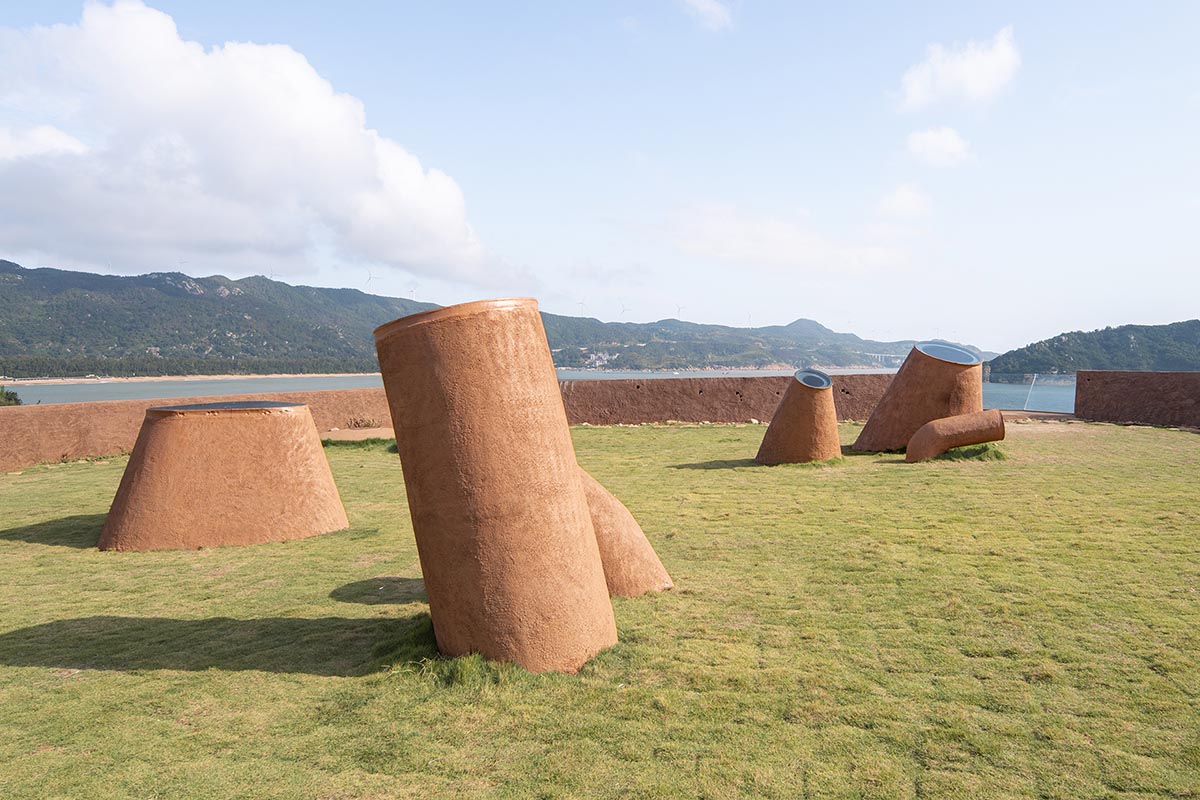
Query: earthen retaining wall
[1151, 398]
[38, 434]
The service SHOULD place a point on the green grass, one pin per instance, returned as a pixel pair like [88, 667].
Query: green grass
[1020, 628]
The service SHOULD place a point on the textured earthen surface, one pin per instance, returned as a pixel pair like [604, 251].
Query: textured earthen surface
[925, 389]
[940, 435]
[631, 402]
[223, 474]
[37, 434]
[510, 559]
[804, 428]
[631, 567]
[1148, 398]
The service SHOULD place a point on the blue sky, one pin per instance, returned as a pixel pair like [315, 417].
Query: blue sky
[994, 173]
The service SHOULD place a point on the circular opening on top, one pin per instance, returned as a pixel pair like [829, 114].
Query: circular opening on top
[449, 312]
[948, 352]
[814, 378]
[231, 405]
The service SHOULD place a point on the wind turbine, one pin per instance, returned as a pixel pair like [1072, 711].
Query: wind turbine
[679, 312]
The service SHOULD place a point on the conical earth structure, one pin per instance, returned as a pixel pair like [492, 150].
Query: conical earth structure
[936, 380]
[805, 426]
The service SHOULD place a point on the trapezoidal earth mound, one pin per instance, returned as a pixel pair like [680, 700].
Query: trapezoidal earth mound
[805, 426]
[215, 474]
[631, 567]
[936, 380]
[510, 559]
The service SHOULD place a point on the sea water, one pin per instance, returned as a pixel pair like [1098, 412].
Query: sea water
[1039, 397]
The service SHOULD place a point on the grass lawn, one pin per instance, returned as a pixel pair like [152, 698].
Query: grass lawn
[1026, 627]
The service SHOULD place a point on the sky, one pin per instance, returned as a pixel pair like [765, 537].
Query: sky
[988, 173]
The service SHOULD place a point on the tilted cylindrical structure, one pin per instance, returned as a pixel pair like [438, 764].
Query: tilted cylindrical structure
[940, 435]
[511, 564]
[213, 474]
[805, 426]
[936, 380]
[631, 567]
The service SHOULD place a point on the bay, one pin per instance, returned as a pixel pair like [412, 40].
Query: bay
[1042, 397]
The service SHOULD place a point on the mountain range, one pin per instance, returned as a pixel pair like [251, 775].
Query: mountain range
[66, 323]
[1173, 347]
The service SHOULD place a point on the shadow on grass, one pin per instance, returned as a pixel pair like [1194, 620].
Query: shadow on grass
[80, 530]
[329, 646]
[381, 591]
[726, 464]
[848, 450]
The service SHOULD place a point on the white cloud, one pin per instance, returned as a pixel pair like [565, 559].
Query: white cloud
[239, 156]
[906, 202]
[726, 234]
[712, 14]
[40, 140]
[939, 147]
[971, 73]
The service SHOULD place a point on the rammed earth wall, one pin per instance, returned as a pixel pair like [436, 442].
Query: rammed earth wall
[1150, 398]
[38, 434]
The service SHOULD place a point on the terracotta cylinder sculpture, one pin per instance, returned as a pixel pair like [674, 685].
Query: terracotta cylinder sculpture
[804, 427]
[631, 567]
[223, 474]
[511, 564]
[940, 435]
[936, 380]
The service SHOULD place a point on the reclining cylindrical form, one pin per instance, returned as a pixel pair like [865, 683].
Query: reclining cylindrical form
[511, 564]
[936, 380]
[631, 567]
[215, 474]
[805, 426]
[940, 435]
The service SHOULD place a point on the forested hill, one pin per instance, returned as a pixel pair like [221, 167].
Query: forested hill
[65, 323]
[1135, 347]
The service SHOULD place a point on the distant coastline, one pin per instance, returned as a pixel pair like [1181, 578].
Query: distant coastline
[102, 379]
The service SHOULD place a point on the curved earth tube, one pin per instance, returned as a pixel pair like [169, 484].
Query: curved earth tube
[940, 435]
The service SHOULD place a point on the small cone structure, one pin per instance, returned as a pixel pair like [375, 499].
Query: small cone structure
[940, 435]
[936, 380]
[217, 474]
[804, 427]
[510, 559]
[631, 567]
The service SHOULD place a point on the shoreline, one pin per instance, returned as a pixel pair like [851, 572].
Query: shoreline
[104, 379]
[150, 379]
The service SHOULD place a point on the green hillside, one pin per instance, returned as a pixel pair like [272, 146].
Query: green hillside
[1133, 347]
[65, 323]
